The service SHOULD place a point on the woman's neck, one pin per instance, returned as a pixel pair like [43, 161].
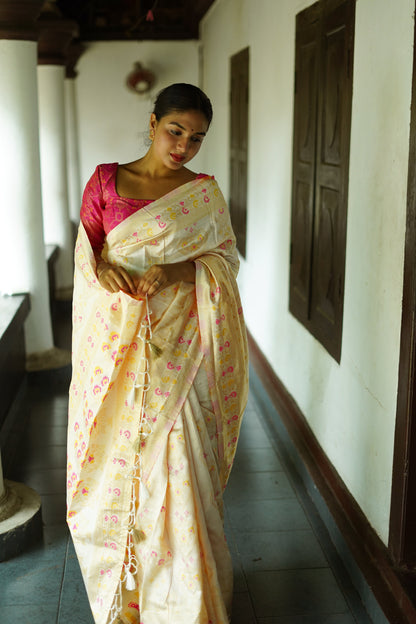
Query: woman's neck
[151, 168]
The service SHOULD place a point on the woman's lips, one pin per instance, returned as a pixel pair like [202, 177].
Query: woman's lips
[177, 157]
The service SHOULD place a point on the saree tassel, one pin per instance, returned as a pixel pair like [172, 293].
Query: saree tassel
[130, 582]
[157, 351]
[139, 535]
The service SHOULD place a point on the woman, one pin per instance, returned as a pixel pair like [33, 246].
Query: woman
[160, 380]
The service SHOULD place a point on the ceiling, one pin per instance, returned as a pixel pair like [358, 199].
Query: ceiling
[104, 20]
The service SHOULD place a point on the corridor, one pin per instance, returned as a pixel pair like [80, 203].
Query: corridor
[286, 571]
[313, 145]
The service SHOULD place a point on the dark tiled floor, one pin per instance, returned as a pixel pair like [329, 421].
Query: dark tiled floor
[282, 574]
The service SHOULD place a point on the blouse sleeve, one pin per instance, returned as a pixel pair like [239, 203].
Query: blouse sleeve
[92, 212]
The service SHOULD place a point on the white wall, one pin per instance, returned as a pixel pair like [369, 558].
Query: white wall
[112, 120]
[350, 407]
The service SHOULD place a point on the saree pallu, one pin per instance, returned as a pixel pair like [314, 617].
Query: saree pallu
[158, 391]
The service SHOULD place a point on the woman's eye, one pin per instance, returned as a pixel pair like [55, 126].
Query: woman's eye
[175, 132]
[196, 139]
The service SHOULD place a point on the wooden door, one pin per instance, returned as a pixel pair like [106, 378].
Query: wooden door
[239, 98]
[322, 122]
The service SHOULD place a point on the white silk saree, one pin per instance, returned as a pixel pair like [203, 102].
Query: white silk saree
[158, 391]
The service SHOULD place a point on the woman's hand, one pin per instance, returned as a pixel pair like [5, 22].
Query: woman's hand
[159, 276]
[115, 278]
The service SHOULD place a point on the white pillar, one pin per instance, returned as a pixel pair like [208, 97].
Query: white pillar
[56, 222]
[22, 249]
[74, 185]
[55, 35]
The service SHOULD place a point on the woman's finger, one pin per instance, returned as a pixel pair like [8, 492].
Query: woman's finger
[114, 279]
[121, 282]
[152, 281]
[128, 280]
[154, 287]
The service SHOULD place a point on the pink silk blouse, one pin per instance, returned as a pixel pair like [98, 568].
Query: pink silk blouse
[103, 208]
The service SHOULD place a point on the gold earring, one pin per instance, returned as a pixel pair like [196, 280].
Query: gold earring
[151, 135]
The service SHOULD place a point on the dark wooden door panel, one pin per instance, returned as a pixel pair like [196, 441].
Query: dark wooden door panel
[301, 248]
[333, 95]
[325, 296]
[304, 158]
[305, 110]
[239, 98]
[334, 121]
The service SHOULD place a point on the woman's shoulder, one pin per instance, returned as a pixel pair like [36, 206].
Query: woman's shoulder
[104, 176]
[187, 175]
[106, 170]
[207, 179]
[103, 171]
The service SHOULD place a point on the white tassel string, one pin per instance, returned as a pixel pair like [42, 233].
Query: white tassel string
[145, 429]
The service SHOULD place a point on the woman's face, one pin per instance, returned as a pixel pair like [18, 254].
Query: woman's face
[178, 137]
